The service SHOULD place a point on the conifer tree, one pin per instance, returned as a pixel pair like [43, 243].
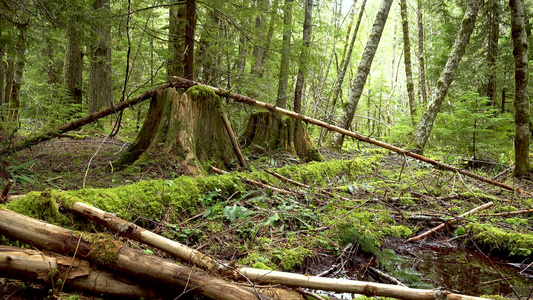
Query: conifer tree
[283, 82]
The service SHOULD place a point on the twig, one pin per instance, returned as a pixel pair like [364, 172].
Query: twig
[259, 184]
[71, 262]
[509, 213]
[454, 220]
[308, 293]
[90, 160]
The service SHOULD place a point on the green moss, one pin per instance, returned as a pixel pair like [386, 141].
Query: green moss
[291, 258]
[39, 205]
[257, 259]
[199, 91]
[398, 231]
[508, 240]
[103, 247]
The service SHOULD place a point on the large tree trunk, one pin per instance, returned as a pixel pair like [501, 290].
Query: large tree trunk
[2, 72]
[283, 82]
[300, 81]
[270, 132]
[521, 99]
[259, 47]
[176, 32]
[18, 67]
[422, 88]
[190, 28]
[271, 24]
[427, 121]
[101, 87]
[187, 129]
[111, 254]
[407, 61]
[73, 69]
[362, 72]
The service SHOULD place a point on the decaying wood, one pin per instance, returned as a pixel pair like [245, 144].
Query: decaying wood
[38, 267]
[257, 275]
[232, 137]
[508, 213]
[112, 255]
[259, 184]
[452, 221]
[185, 83]
[349, 286]
[5, 192]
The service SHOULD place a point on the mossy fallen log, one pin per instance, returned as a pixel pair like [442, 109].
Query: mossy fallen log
[75, 274]
[111, 254]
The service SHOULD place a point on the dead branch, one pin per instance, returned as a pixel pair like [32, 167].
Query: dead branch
[452, 221]
[111, 254]
[36, 266]
[259, 184]
[185, 83]
[5, 192]
[233, 139]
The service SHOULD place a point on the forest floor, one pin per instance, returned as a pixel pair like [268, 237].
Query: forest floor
[382, 202]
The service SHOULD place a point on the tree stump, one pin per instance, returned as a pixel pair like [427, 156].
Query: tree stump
[189, 129]
[270, 132]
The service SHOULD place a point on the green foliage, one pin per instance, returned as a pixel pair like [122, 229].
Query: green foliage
[475, 128]
[22, 173]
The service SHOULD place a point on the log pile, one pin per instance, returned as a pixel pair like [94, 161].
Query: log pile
[90, 262]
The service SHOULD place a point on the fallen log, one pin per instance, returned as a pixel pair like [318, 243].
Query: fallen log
[111, 254]
[186, 83]
[256, 275]
[92, 117]
[35, 266]
[452, 221]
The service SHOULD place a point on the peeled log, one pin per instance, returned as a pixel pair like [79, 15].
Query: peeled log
[35, 266]
[111, 254]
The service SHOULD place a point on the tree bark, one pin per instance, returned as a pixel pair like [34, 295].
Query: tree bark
[407, 61]
[2, 72]
[362, 72]
[283, 82]
[111, 254]
[36, 266]
[260, 45]
[427, 121]
[176, 31]
[521, 99]
[73, 69]
[264, 57]
[422, 88]
[300, 81]
[100, 84]
[190, 27]
[492, 49]
[18, 70]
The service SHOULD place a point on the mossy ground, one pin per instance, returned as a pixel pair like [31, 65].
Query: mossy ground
[382, 199]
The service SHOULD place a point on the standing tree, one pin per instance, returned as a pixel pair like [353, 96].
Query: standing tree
[100, 84]
[492, 49]
[407, 61]
[422, 88]
[521, 99]
[182, 26]
[283, 82]
[298, 90]
[362, 72]
[427, 121]
[73, 67]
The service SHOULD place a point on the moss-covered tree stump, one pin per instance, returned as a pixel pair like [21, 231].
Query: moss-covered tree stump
[270, 132]
[188, 128]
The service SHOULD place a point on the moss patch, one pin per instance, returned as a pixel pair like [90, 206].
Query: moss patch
[508, 240]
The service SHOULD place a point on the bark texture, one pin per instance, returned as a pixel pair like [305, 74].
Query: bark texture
[187, 128]
[111, 254]
[73, 69]
[492, 49]
[300, 81]
[13, 94]
[177, 23]
[407, 61]
[422, 88]
[101, 87]
[425, 125]
[362, 72]
[521, 98]
[190, 28]
[283, 82]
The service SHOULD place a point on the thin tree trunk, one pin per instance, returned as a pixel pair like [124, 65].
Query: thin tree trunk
[101, 87]
[2, 71]
[362, 72]
[259, 48]
[73, 69]
[346, 61]
[427, 121]
[14, 93]
[190, 28]
[422, 88]
[300, 81]
[283, 82]
[521, 99]
[10, 74]
[264, 57]
[492, 50]
[407, 61]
